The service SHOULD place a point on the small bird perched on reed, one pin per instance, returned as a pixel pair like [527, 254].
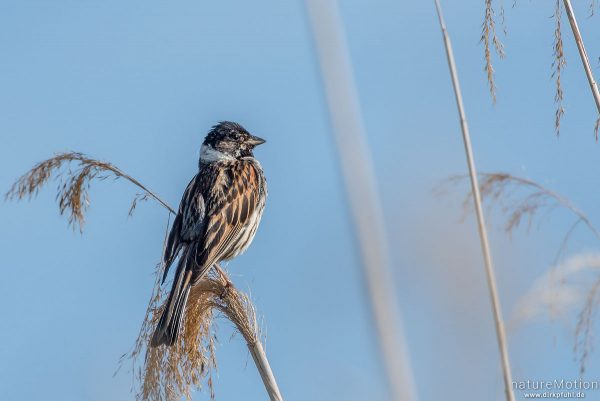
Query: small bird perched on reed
[217, 219]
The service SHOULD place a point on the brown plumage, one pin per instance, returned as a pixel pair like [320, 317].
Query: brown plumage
[218, 216]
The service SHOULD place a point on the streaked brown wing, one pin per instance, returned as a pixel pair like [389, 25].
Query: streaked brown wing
[229, 217]
[187, 224]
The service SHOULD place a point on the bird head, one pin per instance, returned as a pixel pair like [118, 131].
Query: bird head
[228, 140]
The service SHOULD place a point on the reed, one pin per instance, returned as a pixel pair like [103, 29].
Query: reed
[558, 65]
[490, 40]
[475, 190]
[363, 195]
[523, 202]
[168, 372]
[585, 60]
[74, 173]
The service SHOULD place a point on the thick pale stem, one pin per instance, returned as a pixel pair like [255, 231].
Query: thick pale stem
[262, 364]
[361, 189]
[584, 57]
[485, 247]
[252, 337]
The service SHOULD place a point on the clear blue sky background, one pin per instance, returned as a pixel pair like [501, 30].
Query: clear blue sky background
[139, 83]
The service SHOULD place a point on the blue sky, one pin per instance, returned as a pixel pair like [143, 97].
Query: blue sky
[140, 83]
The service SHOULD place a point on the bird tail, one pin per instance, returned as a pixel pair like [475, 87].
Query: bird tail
[170, 321]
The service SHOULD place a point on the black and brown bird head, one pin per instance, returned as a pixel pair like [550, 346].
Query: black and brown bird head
[228, 140]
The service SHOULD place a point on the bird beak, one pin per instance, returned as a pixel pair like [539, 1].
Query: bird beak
[255, 141]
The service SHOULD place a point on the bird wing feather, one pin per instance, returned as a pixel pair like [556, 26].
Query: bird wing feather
[188, 224]
[228, 218]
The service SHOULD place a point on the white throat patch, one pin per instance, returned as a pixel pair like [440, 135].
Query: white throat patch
[208, 154]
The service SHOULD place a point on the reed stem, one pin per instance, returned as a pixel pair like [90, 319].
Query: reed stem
[584, 57]
[485, 247]
[361, 189]
[72, 195]
[262, 364]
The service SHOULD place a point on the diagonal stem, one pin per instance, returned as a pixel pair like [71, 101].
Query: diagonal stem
[361, 189]
[584, 57]
[485, 247]
[256, 348]
[262, 364]
[152, 194]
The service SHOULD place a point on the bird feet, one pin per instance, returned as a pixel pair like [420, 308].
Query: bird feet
[227, 284]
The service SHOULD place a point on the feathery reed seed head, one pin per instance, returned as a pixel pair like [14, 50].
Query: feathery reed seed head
[489, 39]
[73, 184]
[503, 189]
[169, 372]
[557, 65]
[172, 372]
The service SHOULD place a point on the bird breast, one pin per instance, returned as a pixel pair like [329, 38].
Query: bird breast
[247, 233]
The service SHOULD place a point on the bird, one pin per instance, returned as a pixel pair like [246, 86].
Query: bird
[217, 219]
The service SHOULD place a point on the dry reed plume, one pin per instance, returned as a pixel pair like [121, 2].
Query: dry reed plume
[584, 330]
[570, 286]
[489, 40]
[73, 185]
[169, 372]
[172, 372]
[522, 200]
[557, 65]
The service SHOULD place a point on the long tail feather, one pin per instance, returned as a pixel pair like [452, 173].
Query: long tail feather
[168, 327]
